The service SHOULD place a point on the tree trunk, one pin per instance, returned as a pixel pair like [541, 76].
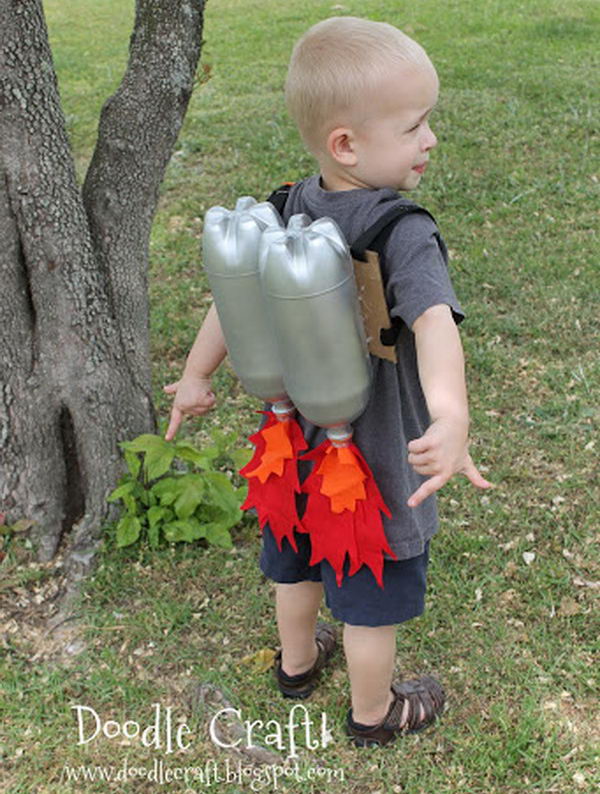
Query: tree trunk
[75, 374]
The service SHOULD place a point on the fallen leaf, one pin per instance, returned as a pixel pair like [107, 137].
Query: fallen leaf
[508, 595]
[568, 606]
[528, 557]
[23, 525]
[579, 582]
[510, 568]
[507, 546]
[261, 661]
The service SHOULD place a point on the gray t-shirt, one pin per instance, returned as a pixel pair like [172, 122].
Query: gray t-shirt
[415, 273]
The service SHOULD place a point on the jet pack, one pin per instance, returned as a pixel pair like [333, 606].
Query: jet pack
[288, 306]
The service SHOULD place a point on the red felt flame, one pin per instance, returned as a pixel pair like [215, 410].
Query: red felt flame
[272, 476]
[343, 513]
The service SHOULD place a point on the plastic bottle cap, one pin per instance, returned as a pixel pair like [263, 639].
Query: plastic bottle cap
[283, 409]
[340, 436]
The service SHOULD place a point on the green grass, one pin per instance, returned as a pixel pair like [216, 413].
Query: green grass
[514, 186]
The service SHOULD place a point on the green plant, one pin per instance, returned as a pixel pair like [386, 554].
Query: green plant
[173, 490]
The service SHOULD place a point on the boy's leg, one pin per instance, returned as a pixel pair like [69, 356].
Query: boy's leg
[370, 655]
[298, 596]
[297, 606]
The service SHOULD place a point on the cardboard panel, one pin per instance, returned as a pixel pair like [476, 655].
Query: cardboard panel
[373, 306]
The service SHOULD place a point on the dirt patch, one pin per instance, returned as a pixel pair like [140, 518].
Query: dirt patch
[36, 622]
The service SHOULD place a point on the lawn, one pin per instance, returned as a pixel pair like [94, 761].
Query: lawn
[511, 621]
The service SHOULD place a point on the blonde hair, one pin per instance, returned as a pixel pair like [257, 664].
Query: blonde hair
[336, 64]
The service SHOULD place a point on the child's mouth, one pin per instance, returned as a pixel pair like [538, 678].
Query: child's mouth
[420, 169]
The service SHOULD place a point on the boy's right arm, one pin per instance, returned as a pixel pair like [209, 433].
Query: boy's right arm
[193, 394]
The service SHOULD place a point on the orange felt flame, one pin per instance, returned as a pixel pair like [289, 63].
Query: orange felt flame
[272, 476]
[278, 449]
[344, 512]
[343, 479]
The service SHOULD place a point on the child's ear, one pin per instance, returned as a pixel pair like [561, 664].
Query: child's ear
[340, 146]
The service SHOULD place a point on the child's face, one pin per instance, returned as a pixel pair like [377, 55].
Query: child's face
[392, 143]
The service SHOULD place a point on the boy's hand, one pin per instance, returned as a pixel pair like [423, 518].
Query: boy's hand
[193, 396]
[440, 453]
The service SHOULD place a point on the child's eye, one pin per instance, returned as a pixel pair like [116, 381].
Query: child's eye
[416, 127]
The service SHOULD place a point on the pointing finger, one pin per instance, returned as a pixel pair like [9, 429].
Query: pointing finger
[176, 417]
[472, 472]
[430, 486]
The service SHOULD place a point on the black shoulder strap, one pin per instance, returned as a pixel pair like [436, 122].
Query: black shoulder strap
[375, 236]
[279, 196]
[374, 239]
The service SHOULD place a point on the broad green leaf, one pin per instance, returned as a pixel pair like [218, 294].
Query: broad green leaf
[130, 503]
[143, 494]
[209, 454]
[164, 484]
[158, 453]
[189, 453]
[166, 490]
[173, 531]
[191, 494]
[168, 497]
[217, 519]
[218, 536]
[220, 491]
[242, 494]
[125, 488]
[158, 461]
[128, 530]
[155, 515]
[209, 513]
[147, 442]
[240, 457]
[133, 462]
[188, 530]
[197, 529]
[154, 536]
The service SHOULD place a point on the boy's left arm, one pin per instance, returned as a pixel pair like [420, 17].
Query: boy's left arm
[443, 449]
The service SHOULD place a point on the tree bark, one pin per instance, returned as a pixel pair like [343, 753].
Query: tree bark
[139, 126]
[75, 374]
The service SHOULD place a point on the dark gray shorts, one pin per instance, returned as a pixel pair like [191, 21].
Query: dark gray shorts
[359, 601]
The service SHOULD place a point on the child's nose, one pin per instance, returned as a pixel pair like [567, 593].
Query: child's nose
[429, 140]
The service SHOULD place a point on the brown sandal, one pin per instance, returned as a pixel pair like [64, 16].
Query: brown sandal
[425, 692]
[303, 686]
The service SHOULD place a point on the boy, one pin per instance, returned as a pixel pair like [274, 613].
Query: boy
[361, 93]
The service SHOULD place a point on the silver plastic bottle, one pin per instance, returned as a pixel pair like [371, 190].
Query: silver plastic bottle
[230, 245]
[308, 282]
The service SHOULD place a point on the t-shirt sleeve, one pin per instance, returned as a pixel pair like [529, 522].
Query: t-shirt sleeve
[416, 270]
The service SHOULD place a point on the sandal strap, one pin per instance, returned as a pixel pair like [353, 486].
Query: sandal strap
[326, 637]
[425, 692]
[326, 640]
